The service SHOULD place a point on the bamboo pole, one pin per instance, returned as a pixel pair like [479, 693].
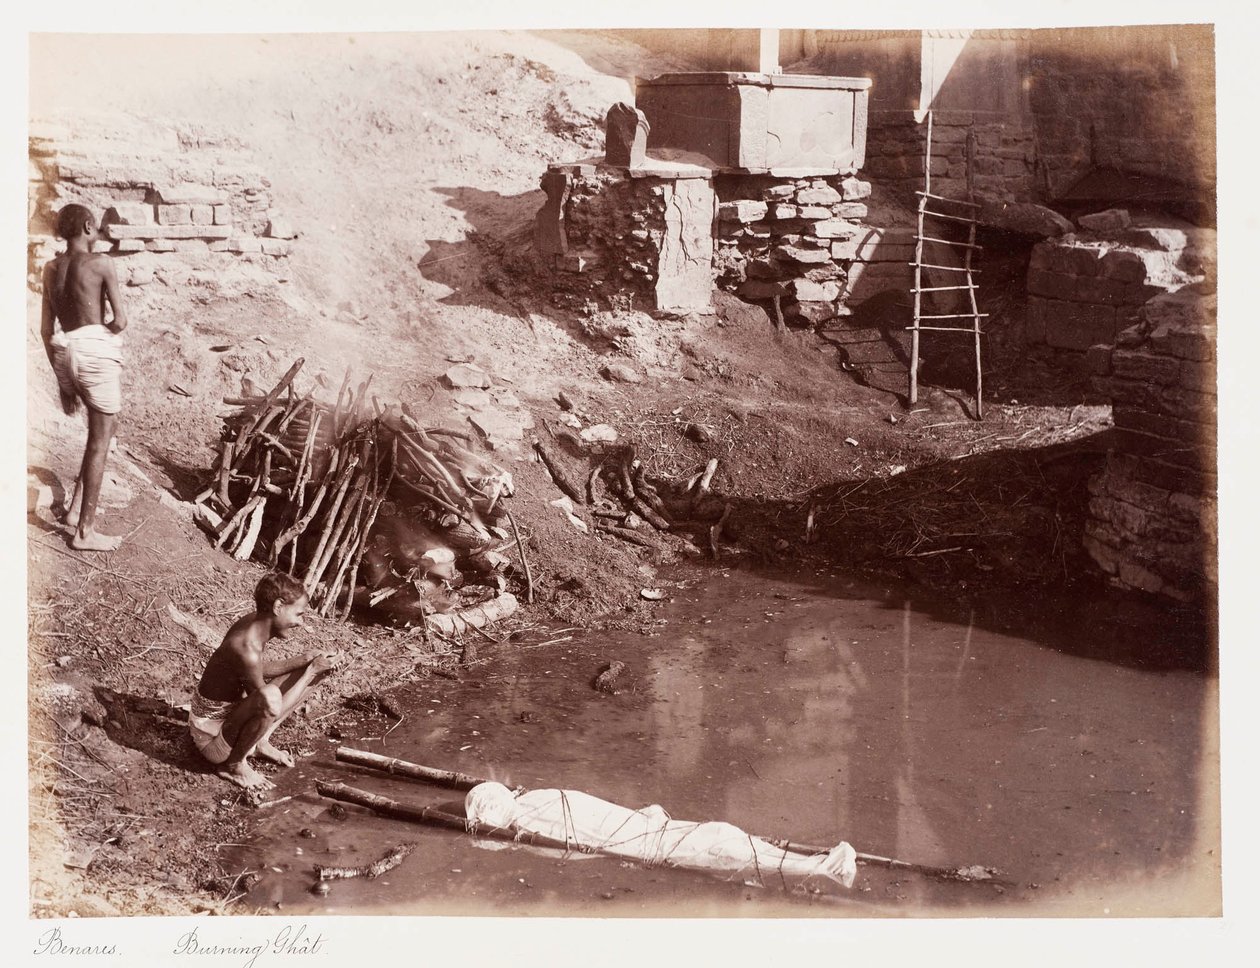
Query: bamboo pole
[397, 767]
[367, 528]
[520, 548]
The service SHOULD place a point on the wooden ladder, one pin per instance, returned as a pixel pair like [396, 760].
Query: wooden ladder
[969, 247]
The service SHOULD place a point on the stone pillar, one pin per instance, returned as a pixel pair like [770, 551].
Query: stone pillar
[549, 233]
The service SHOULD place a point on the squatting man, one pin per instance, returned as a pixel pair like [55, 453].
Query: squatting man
[241, 698]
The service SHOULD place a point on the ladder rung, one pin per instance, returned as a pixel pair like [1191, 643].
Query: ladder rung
[952, 315]
[952, 218]
[947, 329]
[946, 198]
[940, 288]
[964, 245]
[929, 265]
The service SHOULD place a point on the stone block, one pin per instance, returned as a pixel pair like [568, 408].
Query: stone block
[1200, 376]
[836, 229]
[802, 255]
[850, 210]
[1145, 366]
[190, 194]
[1055, 285]
[222, 214]
[160, 245]
[814, 212]
[807, 291]
[550, 237]
[1107, 292]
[191, 246]
[854, 189]
[280, 227]
[129, 213]
[813, 312]
[1078, 326]
[131, 245]
[100, 245]
[743, 210]
[244, 244]
[1183, 324]
[1098, 359]
[1072, 260]
[168, 231]
[220, 245]
[276, 247]
[174, 214]
[782, 210]
[818, 196]
[1122, 266]
[1102, 223]
[201, 214]
[779, 192]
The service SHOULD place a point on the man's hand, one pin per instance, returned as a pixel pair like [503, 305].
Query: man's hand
[324, 662]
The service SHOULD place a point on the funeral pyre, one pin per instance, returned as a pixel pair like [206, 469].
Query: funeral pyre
[366, 507]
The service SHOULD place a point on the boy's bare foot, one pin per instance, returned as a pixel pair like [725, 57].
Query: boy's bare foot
[269, 752]
[245, 776]
[93, 541]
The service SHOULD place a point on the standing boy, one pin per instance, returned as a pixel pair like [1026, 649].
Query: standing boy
[86, 356]
[241, 699]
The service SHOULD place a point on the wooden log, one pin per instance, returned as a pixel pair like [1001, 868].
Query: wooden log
[298, 527]
[520, 549]
[334, 522]
[625, 534]
[367, 528]
[345, 546]
[246, 546]
[715, 532]
[326, 548]
[557, 474]
[271, 397]
[297, 495]
[375, 869]
[225, 472]
[430, 496]
[397, 767]
[336, 417]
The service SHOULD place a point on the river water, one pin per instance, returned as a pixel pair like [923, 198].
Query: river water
[1073, 750]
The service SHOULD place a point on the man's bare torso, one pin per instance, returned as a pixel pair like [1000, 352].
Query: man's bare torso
[75, 283]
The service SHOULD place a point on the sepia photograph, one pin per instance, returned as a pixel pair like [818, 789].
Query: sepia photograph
[615, 474]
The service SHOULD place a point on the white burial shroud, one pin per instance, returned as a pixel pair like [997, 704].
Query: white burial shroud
[649, 835]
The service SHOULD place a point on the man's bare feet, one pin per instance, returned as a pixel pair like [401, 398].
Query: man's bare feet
[269, 752]
[245, 776]
[93, 541]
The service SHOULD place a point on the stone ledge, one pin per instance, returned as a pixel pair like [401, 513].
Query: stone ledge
[168, 231]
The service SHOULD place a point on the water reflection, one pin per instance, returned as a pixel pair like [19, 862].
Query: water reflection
[795, 711]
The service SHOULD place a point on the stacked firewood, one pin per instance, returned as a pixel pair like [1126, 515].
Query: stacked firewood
[300, 483]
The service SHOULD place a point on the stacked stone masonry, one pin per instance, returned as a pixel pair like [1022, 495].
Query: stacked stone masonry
[801, 241]
[1085, 289]
[146, 205]
[970, 156]
[1153, 516]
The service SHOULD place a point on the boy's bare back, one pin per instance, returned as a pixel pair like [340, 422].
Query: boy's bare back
[227, 676]
[78, 284]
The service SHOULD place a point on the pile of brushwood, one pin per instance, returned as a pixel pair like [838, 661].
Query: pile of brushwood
[366, 507]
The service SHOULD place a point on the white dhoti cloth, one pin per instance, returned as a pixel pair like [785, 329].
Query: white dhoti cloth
[649, 835]
[88, 363]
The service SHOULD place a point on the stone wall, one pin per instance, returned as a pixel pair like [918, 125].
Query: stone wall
[1139, 99]
[1086, 288]
[146, 203]
[971, 153]
[1153, 515]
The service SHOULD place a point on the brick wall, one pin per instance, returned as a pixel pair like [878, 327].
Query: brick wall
[150, 204]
